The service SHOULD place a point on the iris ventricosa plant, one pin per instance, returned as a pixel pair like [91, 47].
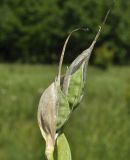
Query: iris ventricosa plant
[60, 99]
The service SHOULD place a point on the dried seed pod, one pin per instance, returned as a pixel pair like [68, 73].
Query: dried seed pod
[75, 76]
[53, 112]
[47, 116]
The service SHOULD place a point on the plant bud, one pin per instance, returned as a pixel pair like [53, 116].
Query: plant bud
[62, 96]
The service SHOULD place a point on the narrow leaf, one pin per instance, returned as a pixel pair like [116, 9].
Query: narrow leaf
[63, 149]
[63, 109]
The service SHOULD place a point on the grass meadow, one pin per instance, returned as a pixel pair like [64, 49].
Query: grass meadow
[98, 130]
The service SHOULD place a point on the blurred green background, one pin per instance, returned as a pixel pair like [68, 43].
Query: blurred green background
[32, 34]
[98, 130]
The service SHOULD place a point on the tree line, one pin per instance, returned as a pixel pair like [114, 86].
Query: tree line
[34, 31]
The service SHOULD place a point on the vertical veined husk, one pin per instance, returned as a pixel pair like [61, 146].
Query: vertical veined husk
[83, 57]
[47, 117]
[75, 76]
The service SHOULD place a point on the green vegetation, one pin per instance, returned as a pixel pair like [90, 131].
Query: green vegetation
[98, 130]
[34, 31]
